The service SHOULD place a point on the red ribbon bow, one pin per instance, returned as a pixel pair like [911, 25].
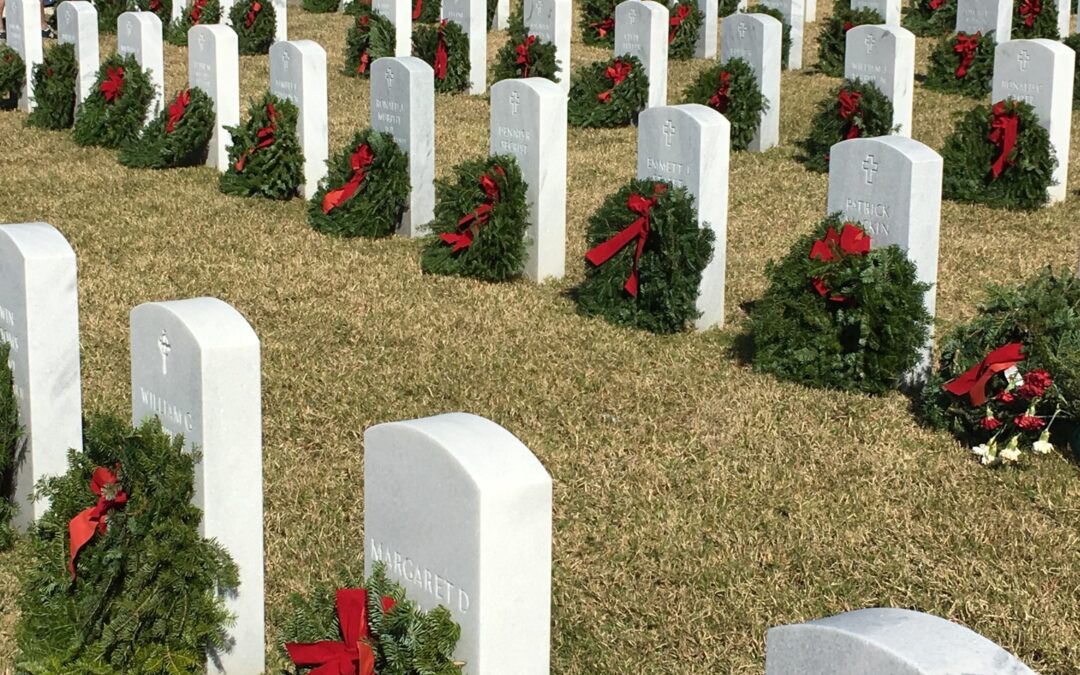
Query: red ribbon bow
[264, 136]
[523, 54]
[1003, 129]
[113, 85]
[677, 20]
[362, 158]
[249, 19]
[616, 73]
[353, 655]
[602, 27]
[936, 4]
[722, 98]
[849, 110]
[1029, 9]
[852, 240]
[966, 46]
[441, 57]
[196, 10]
[973, 381]
[82, 527]
[418, 7]
[155, 5]
[471, 221]
[177, 108]
[639, 230]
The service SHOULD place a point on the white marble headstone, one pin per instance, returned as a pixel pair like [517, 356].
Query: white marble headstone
[195, 366]
[24, 36]
[641, 30]
[552, 21]
[501, 20]
[705, 47]
[471, 16]
[1040, 72]
[757, 39]
[214, 67]
[690, 146]
[298, 73]
[77, 21]
[985, 16]
[885, 57]
[403, 105]
[1064, 18]
[460, 511]
[281, 14]
[889, 10]
[139, 33]
[528, 121]
[792, 11]
[39, 318]
[399, 13]
[809, 11]
[885, 641]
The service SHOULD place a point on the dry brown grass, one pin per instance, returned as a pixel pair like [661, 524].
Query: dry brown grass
[696, 503]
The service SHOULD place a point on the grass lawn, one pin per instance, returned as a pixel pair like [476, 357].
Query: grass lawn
[696, 503]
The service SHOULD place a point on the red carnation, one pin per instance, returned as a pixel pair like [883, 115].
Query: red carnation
[990, 423]
[1006, 397]
[848, 26]
[1028, 422]
[1039, 378]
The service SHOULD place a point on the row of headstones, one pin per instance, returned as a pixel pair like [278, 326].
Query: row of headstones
[451, 502]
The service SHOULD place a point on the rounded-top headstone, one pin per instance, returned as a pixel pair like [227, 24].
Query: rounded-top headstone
[885, 57]
[757, 39]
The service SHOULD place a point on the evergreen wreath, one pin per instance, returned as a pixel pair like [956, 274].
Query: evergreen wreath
[832, 41]
[445, 47]
[1035, 19]
[608, 93]
[480, 221]
[370, 624]
[645, 258]
[12, 74]
[116, 108]
[102, 596]
[855, 109]
[370, 37]
[999, 156]
[731, 89]
[54, 88]
[163, 9]
[255, 23]
[785, 32]
[931, 18]
[1033, 326]
[1073, 43]
[323, 6]
[726, 8]
[598, 22]
[366, 191]
[109, 11]
[524, 55]
[178, 136]
[200, 13]
[963, 64]
[265, 159]
[11, 438]
[684, 27]
[426, 11]
[839, 315]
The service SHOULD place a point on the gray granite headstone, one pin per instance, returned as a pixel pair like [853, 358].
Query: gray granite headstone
[757, 39]
[985, 16]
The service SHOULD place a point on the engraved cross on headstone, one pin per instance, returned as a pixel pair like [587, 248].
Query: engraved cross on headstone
[741, 29]
[285, 60]
[389, 78]
[632, 15]
[1022, 58]
[870, 42]
[515, 99]
[164, 347]
[538, 7]
[202, 42]
[870, 167]
[669, 132]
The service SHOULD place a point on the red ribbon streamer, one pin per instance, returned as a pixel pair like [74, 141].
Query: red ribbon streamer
[264, 136]
[639, 230]
[442, 59]
[113, 85]
[966, 46]
[722, 98]
[471, 221]
[353, 655]
[1029, 9]
[418, 8]
[523, 54]
[1003, 129]
[196, 10]
[249, 19]
[852, 240]
[973, 381]
[82, 527]
[603, 27]
[177, 108]
[616, 73]
[677, 20]
[362, 158]
[849, 109]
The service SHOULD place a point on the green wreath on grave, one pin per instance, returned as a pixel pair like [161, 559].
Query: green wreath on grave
[100, 597]
[839, 315]
[731, 89]
[370, 624]
[444, 47]
[598, 22]
[832, 41]
[480, 222]
[1035, 19]
[856, 109]
[1073, 43]
[608, 93]
[11, 439]
[785, 39]
[999, 156]
[265, 159]
[163, 9]
[684, 27]
[109, 11]
[645, 258]
[1033, 325]
[116, 108]
[255, 23]
[930, 18]
[370, 37]
[201, 13]
[524, 55]
[178, 136]
[726, 8]
[366, 191]
[426, 11]
[323, 6]
[963, 64]
[54, 89]
[12, 76]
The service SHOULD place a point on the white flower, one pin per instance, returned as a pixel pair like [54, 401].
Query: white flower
[987, 454]
[981, 450]
[1010, 455]
[1043, 445]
